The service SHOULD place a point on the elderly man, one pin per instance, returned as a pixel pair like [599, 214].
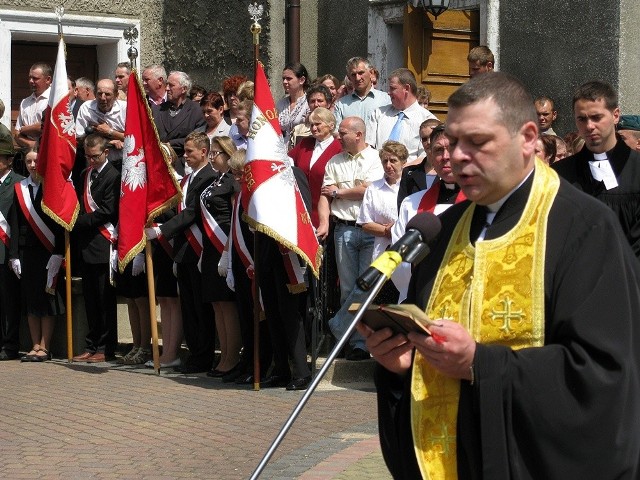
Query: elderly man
[178, 116]
[85, 89]
[154, 81]
[547, 114]
[480, 60]
[531, 369]
[606, 167]
[629, 130]
[121, 75]
[364, 98]
[346, 178]
[105, 116]
[29, 121]
[401, 120]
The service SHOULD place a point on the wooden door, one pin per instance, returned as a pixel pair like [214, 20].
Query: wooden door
[437, 51]
[81, 62]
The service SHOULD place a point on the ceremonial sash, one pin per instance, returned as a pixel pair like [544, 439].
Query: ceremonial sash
[165, 243]
[213, 230]
[237, 239]
[5, 231]
[42, 231]
[295, 270]
[496, 291]
[107, 230]
[429, 201]
[193, 233]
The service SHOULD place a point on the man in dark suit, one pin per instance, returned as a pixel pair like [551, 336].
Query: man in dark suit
[99, 200]
[178, 116]
[186, 230]
[9, 283]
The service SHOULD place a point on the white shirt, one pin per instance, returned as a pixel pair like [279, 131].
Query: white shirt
[89, 116]
[318, 149]
[239, 140]
[347, 171]
[383, 119]
[221, 130]
[355, 106]
[31, 109]
[379, 205]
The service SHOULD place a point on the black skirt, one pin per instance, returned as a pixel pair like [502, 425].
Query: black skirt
[39, 303]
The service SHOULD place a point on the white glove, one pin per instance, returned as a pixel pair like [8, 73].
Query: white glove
[175, 269]
[53, 267]
[15, 266]
[223, 264]
[114, 260]
[231, 283]
[138, 265]
[152, 232]
[200, 264]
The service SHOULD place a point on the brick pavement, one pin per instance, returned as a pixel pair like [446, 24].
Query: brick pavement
[80, 421]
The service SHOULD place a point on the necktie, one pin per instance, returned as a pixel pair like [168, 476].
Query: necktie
[397, 128]
[93, 175]
[33, 198]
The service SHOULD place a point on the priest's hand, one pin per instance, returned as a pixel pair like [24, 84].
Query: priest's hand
[450, 349]
[391, 351]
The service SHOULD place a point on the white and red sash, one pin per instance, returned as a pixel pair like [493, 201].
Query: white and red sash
[429, 201]
[5, 231]
[193, 233]
[237, 240]
[42, 231]
[295, 270]
[107, 230]
[213, 230]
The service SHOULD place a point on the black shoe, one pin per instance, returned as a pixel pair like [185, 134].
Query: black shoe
[299, 383]
[188, 368]
[357, 354]
[4, 355]
[275, 381]
[233, 374]
[215, 373]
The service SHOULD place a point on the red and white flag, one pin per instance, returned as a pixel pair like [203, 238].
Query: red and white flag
[58, 150]
[148, 184]
[271, 198]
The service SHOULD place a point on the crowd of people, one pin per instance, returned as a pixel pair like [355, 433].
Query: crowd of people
[366, 162]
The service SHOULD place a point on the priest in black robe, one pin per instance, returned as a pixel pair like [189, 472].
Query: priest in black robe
[568, 405]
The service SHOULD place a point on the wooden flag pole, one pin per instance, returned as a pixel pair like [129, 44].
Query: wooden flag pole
[255, 11]
[152, 306]
[69, 307]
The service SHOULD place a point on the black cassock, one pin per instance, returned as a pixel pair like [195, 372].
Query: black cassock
[569, 409]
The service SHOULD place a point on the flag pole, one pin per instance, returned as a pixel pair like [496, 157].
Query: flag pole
[255, 12]
[59, 12]
[151, 287]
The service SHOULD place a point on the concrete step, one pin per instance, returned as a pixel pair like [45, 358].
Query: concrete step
[348, 374]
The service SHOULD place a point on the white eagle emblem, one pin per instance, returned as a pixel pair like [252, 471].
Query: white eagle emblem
[134, 169]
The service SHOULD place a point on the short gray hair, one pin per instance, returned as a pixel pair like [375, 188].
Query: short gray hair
[157, 71]
[84, 82]
[183, 79]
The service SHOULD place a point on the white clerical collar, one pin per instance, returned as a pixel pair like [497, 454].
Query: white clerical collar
[601, 170]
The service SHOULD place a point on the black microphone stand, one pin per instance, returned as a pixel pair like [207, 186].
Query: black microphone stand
[370, 295]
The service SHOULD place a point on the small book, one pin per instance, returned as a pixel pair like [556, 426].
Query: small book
[402, 318]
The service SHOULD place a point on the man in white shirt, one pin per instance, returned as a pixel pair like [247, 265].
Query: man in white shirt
[105, 116]
[364, 99]
[401, 120]
[347, 176]
[29, 121]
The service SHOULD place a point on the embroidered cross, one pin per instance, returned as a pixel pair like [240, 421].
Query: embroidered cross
[507, 315]
[444, 439]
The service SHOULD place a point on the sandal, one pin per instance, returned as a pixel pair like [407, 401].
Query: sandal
[41, 358]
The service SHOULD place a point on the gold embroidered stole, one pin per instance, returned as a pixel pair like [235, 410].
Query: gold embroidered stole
[496, 290]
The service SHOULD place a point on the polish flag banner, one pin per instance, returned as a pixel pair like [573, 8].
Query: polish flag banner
[57, 150]
[149, 185]
[271, 198]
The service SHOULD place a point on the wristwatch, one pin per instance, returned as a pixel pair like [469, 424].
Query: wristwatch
[334, 194]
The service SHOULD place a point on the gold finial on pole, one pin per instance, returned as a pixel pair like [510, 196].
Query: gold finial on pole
[255, 12]
[131, 35]
[59, 11]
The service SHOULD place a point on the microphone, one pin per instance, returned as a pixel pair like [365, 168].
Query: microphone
[420, 235]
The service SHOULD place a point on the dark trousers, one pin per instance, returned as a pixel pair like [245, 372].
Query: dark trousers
[197, 317]
[285, 323]
[244, 302]
[9, 310]
[100, 305]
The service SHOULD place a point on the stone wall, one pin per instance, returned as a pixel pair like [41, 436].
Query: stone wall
[556, 47]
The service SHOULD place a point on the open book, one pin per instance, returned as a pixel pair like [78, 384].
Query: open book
[402, 318]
